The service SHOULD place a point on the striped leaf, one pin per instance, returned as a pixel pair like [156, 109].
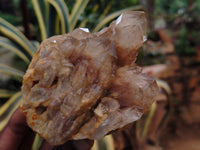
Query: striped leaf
[39, 7]
[11, 71]
[63, 14]
[112, 16]
[52, 21]
[76, 12]
[14, 48]
[8, 108]
[13, 33]
[36, 44]
[5, 93]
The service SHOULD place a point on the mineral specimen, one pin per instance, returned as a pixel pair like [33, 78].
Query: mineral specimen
[83, 86]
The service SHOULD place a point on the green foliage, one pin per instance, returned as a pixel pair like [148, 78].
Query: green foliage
[97, 10]
[8, 108]
[11, 71]
[183, 16]
[182, 44]
[16, 36]
[170, 6]
[5, 93]
[37, 142]
[14, 20]
[171, 9]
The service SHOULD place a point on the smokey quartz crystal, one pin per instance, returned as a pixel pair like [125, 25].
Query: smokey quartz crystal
[84, 85]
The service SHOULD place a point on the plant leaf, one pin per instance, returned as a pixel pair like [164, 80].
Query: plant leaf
[113, 16]
[37, 142]
[95, 145]
[52, 21]
[36, 44]
[11, 71]
[149, 119]
[8, 108]
[5, 93]
[107, 141]
[13, 33]
[164, 85]
[83, 23]
[106, 10]
[63, 14]
[57, 26]
[39, 7]
[14, 48]
[76, 12]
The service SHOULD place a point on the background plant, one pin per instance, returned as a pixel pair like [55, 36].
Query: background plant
[182, 16]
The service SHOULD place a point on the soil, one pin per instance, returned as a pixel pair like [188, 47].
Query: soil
[187, 138]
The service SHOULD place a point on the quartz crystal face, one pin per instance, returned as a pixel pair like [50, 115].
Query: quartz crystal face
[84, 85]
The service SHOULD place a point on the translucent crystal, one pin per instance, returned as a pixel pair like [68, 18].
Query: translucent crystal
[119, 19]
[144, 38]
[82, 85]
[85, 29]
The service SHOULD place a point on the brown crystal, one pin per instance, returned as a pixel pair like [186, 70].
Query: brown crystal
[82, 85]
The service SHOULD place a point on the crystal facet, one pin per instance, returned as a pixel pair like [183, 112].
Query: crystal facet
[85, 29]
[82, 85]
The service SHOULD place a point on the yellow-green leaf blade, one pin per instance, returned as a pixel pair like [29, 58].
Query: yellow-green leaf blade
[11, 71]
[36, 44]
[76, 12]
[14, 48]
[106, 143]
[63, 14]
[13, 33]
[5, 93]
[8, 108]
[83, 23]
[40, 16]
[37, 142]
[149, 119]
[113, 16]
[164, 85]
[106, 10]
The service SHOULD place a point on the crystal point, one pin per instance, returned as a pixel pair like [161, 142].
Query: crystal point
[85, 29]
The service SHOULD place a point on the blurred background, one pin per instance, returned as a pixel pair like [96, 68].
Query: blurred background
[171, 55]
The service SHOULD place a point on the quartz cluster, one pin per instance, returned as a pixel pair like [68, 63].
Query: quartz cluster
[84, 85]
